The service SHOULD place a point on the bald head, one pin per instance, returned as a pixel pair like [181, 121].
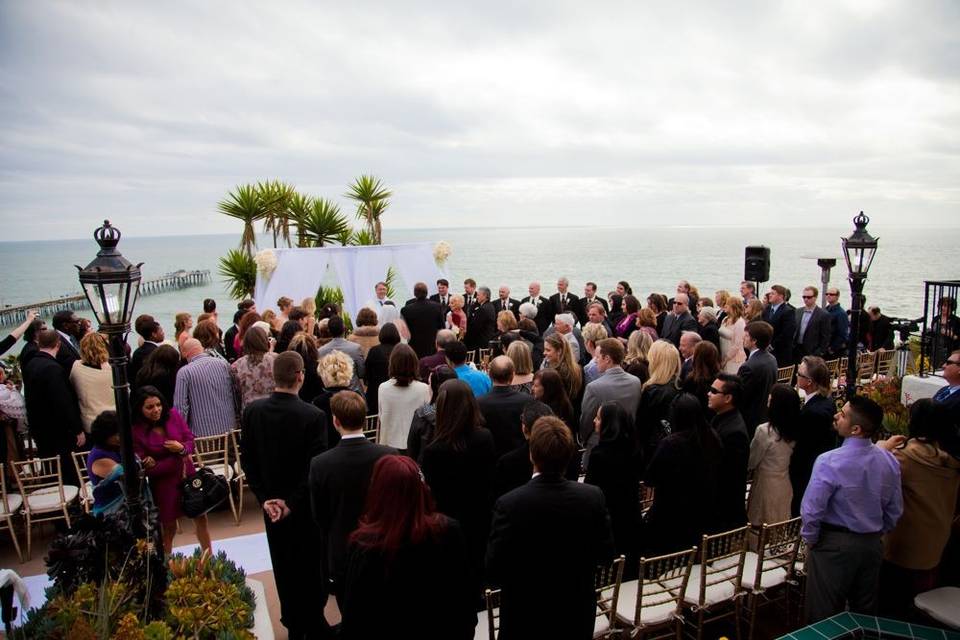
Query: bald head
[501, 371]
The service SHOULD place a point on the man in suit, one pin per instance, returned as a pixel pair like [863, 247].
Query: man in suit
[597, 314]
[815, 434]
[338, 343]
[442, 296]
[506, 303]
[688, 342]
[544, 307]
[589, 298]
[501, 408]
[514, 468]
[469, 295]
[563, 301]
[881, 333]
[758, 373]
[781, 315]
[684, 287]
[839, 324]
[424, 318]
[231, 333]
[748, 291]
[813, 328]
[722, 398]
[613, 385]
[52, 409]
[678, 320]
[481, 322]
[280, 436]
[547, 590]
[67, 324]
[338, 483]
[152, 334]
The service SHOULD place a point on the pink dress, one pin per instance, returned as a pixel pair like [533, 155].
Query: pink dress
[165, 476]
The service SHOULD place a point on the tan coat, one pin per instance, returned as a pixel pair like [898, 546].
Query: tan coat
[771, 492]
[930, 478]
[366, 337]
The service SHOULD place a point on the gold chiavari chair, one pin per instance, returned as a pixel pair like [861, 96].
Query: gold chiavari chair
[607, 580]
[488, 621]
[785, 374]
[239, 477]
[371, 429]
[86, 487]
[715, 581]
[213, 452]
[652, 605]
[10, 506]
[766, 572]
[45, 497]
[886, 363]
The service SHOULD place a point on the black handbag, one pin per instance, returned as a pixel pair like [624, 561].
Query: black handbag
[202, 492]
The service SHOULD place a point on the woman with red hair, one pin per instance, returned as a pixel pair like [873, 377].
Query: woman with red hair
[407, 571]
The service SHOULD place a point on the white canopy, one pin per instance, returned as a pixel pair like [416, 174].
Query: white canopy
[300, 272]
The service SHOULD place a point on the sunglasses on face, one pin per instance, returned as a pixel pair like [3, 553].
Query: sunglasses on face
[956, 362]
[713, 391]
[807, 297]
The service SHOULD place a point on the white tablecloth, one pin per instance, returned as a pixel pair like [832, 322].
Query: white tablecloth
[915, 387]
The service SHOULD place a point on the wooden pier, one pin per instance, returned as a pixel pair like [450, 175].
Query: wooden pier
[14, 315]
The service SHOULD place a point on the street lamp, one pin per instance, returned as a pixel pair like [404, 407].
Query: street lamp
[112, 286]
[858, 250]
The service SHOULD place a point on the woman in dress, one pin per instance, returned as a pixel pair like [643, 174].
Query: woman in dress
[390, 314]
[635, 362]
[612, 467]
[336, 372]
[683, 475]
[520, 354]
[306, 345]
[732, 354]
[647, 322]
[254, 370]
[456, 317]
[657, 302]
[770, 451]
[182, 323]
[549, 389]
[103, 464]
[366, 333]
[658, 393]
[248, 320]
[376, 369]
[160, 370]
[628, 324]
[400, 397]
[458, 465]
[616, 309]
[164, 443]
[721, 298]
[92, 379]
[558, 355]
[408, 573]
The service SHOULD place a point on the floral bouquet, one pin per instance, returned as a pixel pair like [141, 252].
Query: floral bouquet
[266, 262]
[441, 252]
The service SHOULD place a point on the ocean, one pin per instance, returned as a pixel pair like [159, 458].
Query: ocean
[649, 259]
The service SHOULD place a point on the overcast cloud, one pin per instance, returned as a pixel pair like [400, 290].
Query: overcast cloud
[483, 113]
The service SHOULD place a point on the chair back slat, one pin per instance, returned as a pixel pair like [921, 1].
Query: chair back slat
[866, 365]
[39, 474]
[777, 548]
[371, 429]
[785, 374]
[886, 363]
[607, 580]
[721, 559]
[646, 497]
[492, 598]
[472, 356]
[833, 366]
[3, 489]
[663, 581]
[211, 450]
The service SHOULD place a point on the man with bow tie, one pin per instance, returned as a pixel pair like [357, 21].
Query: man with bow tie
[544, 308]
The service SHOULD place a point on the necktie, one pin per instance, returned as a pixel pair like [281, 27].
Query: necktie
[943, 394]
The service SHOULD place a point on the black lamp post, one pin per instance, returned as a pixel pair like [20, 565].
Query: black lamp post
[858, 249]
[112, 286]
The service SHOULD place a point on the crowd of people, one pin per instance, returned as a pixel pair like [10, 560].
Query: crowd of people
[473, 482]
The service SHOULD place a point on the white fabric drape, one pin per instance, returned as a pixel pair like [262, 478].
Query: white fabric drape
[300, 272]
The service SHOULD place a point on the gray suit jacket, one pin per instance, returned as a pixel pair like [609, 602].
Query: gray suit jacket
[674, 326]
[816, 339]
[352, 349]
[614, 385]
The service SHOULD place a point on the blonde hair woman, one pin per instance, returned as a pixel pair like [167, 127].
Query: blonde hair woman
[456, 318]
[506, 322]
[92, 380]
[182, 323]
[658, 394]
[309, 307]
[754, 311]
[558, 355]
[732, 354]
[336, 373]
[522, 356]
[635, 362]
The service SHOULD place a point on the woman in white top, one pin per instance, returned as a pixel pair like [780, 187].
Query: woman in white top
[770, 452]
[399, 397]
[390, 313]
[92, 379]
[732, 354]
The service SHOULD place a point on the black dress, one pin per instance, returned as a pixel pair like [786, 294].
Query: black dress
[460, 481]
[422, 592]
[322, 402]
[683, 475]
[653, 410]
[376, 372]
[613, 468]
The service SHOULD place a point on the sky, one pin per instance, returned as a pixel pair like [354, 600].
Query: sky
[636, 114]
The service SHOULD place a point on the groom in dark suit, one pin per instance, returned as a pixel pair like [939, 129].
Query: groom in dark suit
[424, 318]
[544, 308]
[563, 301]
[442, 296]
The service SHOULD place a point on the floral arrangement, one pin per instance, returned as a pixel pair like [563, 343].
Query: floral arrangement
[441, 252]
[266, 262]
[886, 392]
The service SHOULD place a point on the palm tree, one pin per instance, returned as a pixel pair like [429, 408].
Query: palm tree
[245, 204]
[240, 273]
[300, 207]
[276, 196]
[323, 223]
[372, 200]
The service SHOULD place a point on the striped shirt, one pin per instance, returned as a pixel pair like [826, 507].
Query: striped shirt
[206, 396]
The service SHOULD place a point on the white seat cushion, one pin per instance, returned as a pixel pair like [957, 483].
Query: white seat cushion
[482, 631]
[88, 491]
[15, 501]
[656, 609]
[223, 470]
[714, 593]
[943, 605]
[601, 624]
[772, 575]
[48, 499]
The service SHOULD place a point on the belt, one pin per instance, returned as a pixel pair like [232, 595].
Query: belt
[836, 528]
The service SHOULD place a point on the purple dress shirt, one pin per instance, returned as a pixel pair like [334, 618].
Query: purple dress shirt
[856, 486]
